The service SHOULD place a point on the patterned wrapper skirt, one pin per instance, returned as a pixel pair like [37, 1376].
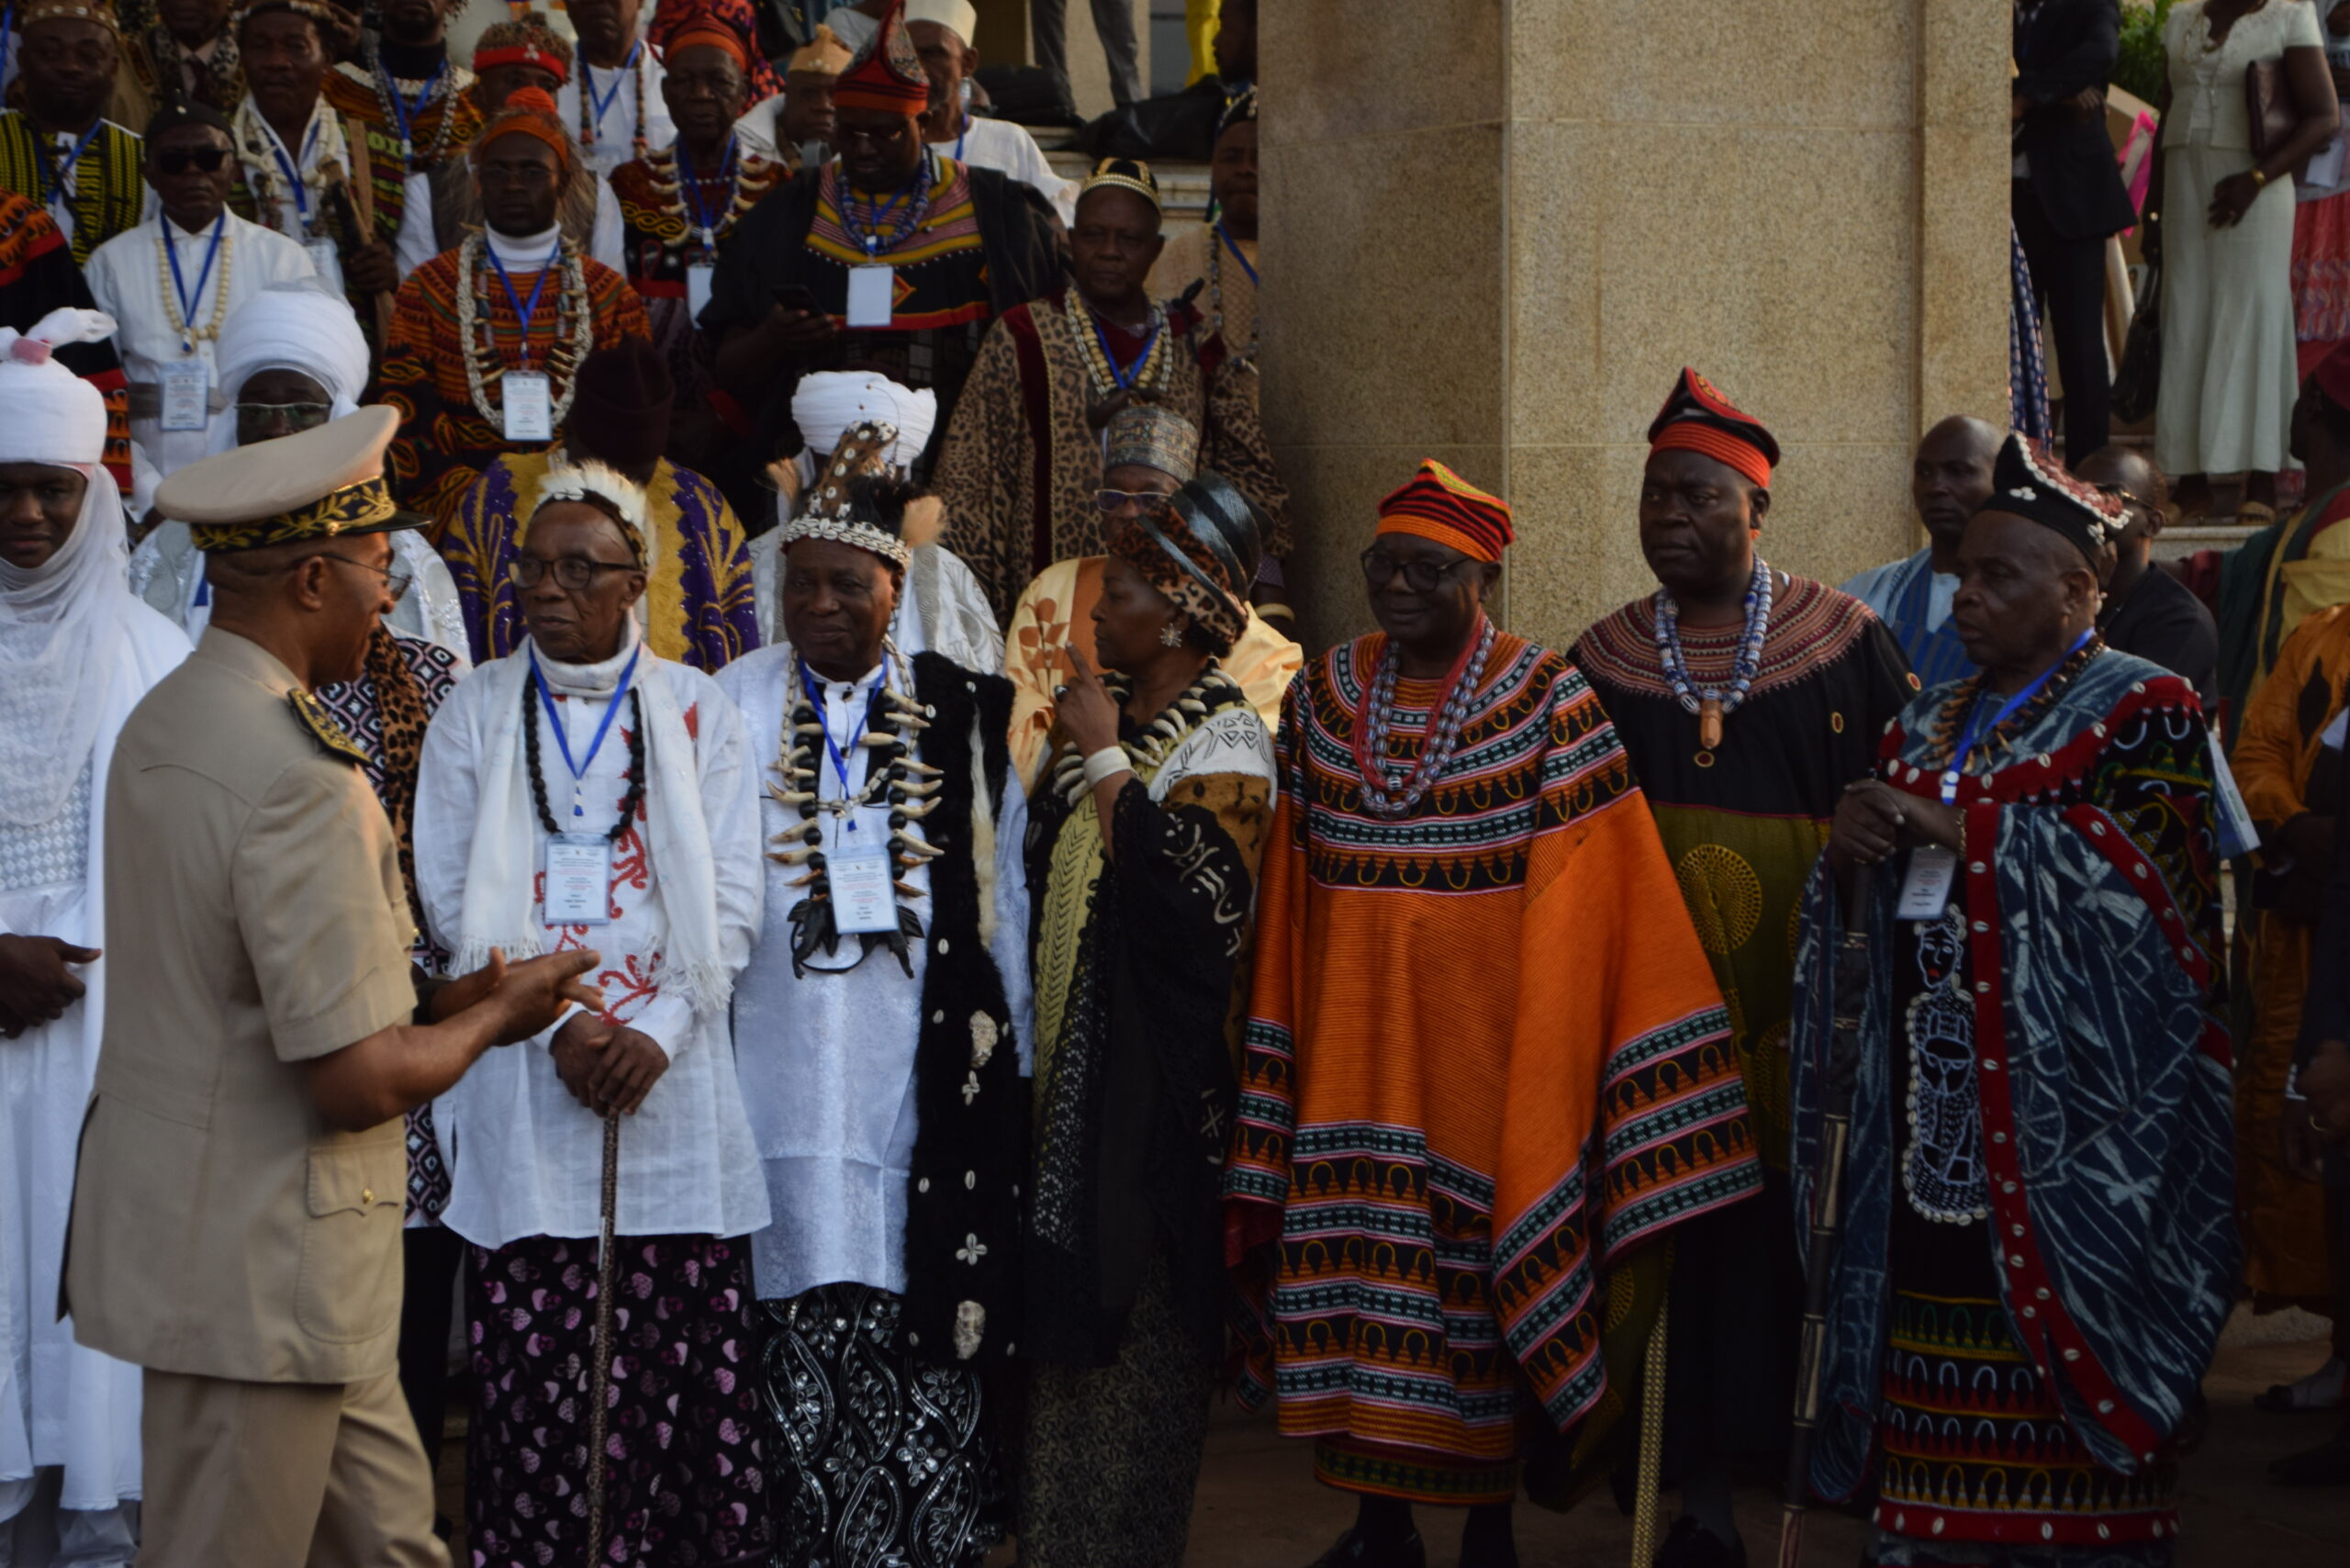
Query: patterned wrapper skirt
[685, 1480]
[881, 1457]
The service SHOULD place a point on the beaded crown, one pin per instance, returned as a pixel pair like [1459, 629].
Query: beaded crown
[568, 479]
[838, 509]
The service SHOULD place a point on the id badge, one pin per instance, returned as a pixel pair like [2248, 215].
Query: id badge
[872, 295]
[1925, 889]
[698, 276]
[187, 394]
[529, 405]
[862, 898]
[327, 261]
[579, 881]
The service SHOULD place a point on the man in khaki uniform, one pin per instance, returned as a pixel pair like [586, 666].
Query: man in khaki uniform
[238, 1206]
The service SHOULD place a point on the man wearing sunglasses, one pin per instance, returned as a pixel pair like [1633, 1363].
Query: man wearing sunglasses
[2147, 612]
[171, 282]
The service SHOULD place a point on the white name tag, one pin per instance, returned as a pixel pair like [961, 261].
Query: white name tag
[1925, 889]
[529, 405]
[579, 881]
[872, 295]
[698, 276]
[862, 897]
[327, 261]
[187, 394]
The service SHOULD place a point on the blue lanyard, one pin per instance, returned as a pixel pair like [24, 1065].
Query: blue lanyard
[404, 112]
[554, 723]
[179, 279]
[1125, 373]
[875, 216]
[522, 310]
[293, 174]
[1976, 729]
[1226, 235]
[55, 192]
[808, 683]
[961, 136]
[692, 189]
[601, 103]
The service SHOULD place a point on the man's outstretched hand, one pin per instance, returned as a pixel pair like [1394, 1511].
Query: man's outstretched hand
[527, 997]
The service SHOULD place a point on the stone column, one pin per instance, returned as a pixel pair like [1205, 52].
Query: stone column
[1495, 229]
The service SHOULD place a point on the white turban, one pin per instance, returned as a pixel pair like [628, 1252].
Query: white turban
[48, 414]
[293, 325]
[958, 16]
[827, 402]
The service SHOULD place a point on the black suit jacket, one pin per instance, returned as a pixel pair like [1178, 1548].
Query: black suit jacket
[2065, 45]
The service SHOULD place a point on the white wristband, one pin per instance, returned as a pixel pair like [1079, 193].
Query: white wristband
[1107, 762]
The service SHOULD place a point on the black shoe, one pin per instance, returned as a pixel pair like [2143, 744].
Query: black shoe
[2328, 1465]
[1354, 1552]
[1691, 1545]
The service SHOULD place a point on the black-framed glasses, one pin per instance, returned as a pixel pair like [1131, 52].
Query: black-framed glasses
[571, 572]
[296, 416]
[180, 159]
[1141, 500]
[396, 582]
[1380, 569]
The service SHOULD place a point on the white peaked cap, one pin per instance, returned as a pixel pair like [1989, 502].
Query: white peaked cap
[48, 414]
[827, 402]
[960, 15]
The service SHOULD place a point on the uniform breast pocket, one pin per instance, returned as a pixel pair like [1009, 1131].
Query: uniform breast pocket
[349, 1288]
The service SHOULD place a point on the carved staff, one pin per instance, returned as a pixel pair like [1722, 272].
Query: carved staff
[600, 1383]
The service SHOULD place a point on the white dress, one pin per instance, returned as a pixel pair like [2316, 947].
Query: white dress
[524, 1157]
[828, 1060]
[60, 1404]
[2228, 370]
[130, 279]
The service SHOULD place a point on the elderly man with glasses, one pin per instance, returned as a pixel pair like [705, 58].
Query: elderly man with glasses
[2147, 612]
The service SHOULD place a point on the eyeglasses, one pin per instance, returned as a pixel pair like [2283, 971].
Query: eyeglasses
[295, 415]
[1378, 569]
[180, 159]
[395, 582]
[570, 572]
[1141, 500]
[2127, 497]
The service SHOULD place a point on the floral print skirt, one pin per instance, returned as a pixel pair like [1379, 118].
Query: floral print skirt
[684, 1479]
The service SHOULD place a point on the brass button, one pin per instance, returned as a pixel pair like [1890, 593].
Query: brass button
[366, 1194]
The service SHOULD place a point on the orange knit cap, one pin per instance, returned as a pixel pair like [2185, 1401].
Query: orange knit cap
[529, 111]
[1436, 503]
[887, 73]
[1698, 418]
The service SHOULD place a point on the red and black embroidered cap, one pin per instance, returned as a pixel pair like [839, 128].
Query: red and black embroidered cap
[1698, 418]
[2028, 482]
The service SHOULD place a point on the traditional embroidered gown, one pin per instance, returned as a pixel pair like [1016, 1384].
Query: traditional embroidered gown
[36, 277]
[2285, 768]
[1914, 601]
[697, 604]
[441, 123]
[891, 1116]
[1743, 826]
[2038, 1249]
[663, 237]
[524, 1157]
[92, 198]
[1141, 968]
[1021, 462]
[446, 437]
[1486, 1061]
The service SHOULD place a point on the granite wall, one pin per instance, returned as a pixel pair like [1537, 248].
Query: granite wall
[1495, 229]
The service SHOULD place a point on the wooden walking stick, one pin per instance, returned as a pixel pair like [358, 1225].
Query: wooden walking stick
[600, 1383]
[1827, 1204]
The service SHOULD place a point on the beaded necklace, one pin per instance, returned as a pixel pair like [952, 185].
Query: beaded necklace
[1108, 379]
[682, 192]
[1385, 792]
[167, 277]
[575, 329]
[630, 804]
[403, 117]
[1211, 692]
[868, 234]
[892, 766]
[1947, 724]
[590, 111]
[1712, 705]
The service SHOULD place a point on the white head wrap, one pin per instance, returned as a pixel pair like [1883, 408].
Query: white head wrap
[959, 16]
[60, 622]
[827, 402]
[293, 325]
[48, 414]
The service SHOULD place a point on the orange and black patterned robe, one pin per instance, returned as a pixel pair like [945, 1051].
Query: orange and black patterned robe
[36, 277]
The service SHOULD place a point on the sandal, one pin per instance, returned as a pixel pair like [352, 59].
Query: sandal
[2321, 1390]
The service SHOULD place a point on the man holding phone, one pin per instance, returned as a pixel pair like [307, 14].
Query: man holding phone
[892, 257]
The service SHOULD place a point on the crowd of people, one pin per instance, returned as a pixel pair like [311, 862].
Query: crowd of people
[992, 982]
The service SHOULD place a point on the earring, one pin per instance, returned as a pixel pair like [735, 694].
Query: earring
[1171, 634]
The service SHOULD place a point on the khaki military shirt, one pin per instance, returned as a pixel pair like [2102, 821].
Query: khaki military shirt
[255, 921]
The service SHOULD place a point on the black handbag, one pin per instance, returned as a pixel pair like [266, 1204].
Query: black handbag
[2137, 382]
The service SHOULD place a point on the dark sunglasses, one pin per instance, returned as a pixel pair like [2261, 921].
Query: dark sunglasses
[180, 159]
[1421, 577]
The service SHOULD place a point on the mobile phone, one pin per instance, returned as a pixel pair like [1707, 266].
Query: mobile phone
[796, 296]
